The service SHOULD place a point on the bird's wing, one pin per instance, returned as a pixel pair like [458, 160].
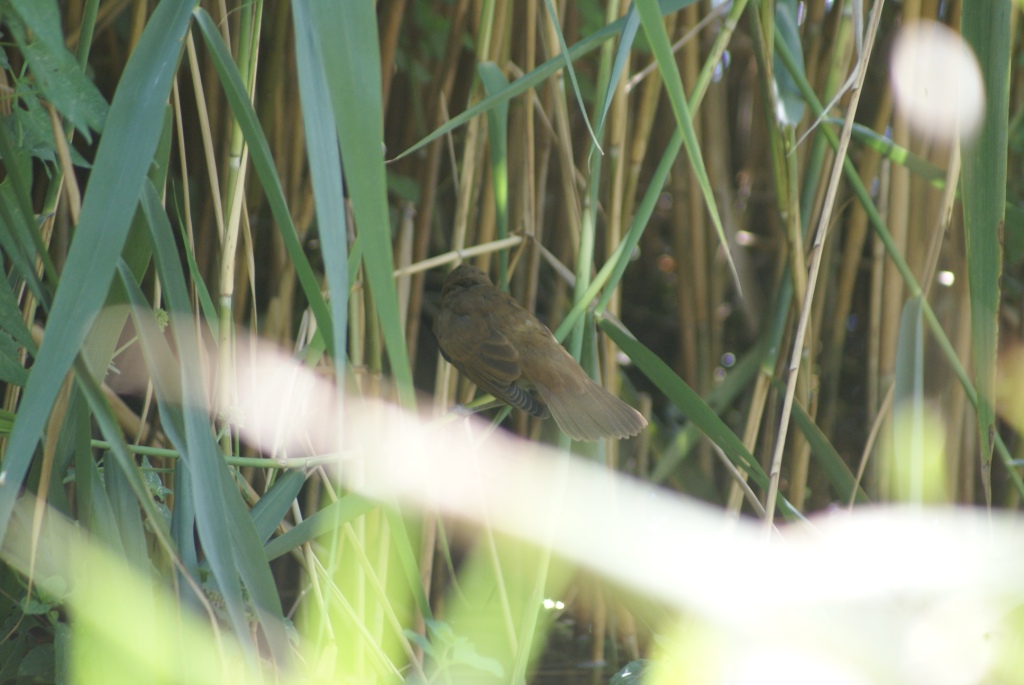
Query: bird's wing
[485, 356]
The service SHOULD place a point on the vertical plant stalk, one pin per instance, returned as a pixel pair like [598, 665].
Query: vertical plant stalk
[440, 90]
[615, 146]
[248, 57]
[692, 273]
[903, 220]
[531, 143]
[887, 246]
[815, 264]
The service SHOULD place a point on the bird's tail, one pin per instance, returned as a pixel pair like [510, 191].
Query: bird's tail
[586, 411]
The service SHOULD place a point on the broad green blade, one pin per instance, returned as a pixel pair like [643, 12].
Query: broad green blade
[351, 60]
[131, 134]
[325, 170]
[228, 535]
[987, 28]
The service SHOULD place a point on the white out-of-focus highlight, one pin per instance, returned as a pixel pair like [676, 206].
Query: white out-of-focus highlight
[778, 665]
[936, 79]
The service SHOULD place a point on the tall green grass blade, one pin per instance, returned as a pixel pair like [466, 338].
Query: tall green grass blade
[201, 491]
[133, 129]
[101, 343]
[739, 377]
[183, 519]
[611, 272]
[791, 103]
[98, 515]
[327, 520]
[497, 138]
[325, 170]
[126, 630]
[1013, 235]
[687, 401]
[88, 26]
[567, 60]
[268, 513]
[986, 26]
[123, 459]
[129, 522]
[629, 29]
[691, 404]
[229, 538]
[351, 58]
[909, 380]
[86, 471]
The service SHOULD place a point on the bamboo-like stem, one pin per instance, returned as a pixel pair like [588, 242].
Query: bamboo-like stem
[439, 93]
[815, 261]
[248, 53]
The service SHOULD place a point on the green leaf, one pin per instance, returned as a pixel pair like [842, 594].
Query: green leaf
[325, 170]
[30, 125]
[328, 519]
[275, 503]
[351, 58]
[56, 72]
[134, 125]
[987, 27]
[21, 240]
[227, 532]
[38, 665]
[722, 396]
[567, 59]
[687, 401]
[791, 102]
[629, 30]
[128, 518]
[11, 370]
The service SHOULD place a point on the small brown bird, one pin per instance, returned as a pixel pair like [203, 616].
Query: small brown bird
[506, 351]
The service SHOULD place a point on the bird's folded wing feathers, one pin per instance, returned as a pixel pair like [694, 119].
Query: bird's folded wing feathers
[487, 358]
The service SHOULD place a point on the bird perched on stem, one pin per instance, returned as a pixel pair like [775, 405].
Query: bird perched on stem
[508, 352]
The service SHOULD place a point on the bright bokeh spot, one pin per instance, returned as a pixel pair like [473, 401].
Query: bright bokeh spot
[936, 79]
